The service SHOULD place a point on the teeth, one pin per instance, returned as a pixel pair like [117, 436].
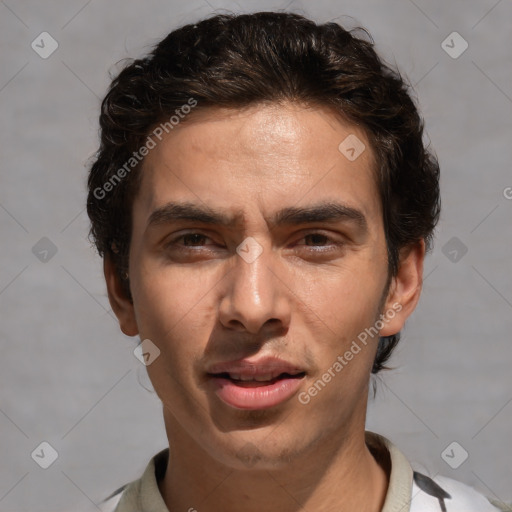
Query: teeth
[261, 378]
[246, 378]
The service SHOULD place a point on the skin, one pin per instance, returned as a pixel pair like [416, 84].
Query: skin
[304, 299]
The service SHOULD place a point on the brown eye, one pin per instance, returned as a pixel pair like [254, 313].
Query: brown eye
[185, 241]
[317, 239]
[194, 239]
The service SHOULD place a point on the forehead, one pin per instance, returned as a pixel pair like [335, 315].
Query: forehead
[260, 158]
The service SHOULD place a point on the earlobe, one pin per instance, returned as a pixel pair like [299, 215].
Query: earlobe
[405, 289]
[119, 302]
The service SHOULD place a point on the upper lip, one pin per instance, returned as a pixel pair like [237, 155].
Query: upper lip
[264, 368]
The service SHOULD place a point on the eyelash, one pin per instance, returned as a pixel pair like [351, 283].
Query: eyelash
[174, 242]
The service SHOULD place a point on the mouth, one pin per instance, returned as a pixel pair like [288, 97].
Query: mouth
[249, 381]
[253, 386]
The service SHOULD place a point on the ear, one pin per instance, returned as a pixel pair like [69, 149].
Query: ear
[120, 303]
[405, 289]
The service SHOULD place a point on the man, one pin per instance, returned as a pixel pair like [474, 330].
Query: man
[263, 202]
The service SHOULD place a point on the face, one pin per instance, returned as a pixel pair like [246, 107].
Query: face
[258, 267]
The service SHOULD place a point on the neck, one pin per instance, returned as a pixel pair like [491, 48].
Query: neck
[342, 480]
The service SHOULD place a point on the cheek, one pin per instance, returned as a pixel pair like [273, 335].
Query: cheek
[344, 301]
[168, 299]
[178, 319]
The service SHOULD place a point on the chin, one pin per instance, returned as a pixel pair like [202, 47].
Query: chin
[265, 452]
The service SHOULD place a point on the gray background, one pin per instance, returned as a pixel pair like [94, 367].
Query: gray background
[68, 375]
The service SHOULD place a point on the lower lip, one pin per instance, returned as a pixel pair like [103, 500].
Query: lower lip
[255, 398]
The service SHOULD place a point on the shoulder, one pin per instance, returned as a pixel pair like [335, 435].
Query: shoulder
[110, 503]
[140, 494]
[125, 499]
[446, 495]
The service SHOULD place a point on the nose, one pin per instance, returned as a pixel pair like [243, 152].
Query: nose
[255, 297]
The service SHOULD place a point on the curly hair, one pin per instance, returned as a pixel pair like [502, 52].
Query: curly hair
[235, 61]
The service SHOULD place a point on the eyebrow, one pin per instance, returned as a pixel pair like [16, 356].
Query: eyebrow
[323, 212]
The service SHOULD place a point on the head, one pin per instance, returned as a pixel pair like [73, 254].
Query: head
[293, 142]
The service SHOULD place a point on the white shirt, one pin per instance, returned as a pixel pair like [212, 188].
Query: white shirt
[407, 491]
